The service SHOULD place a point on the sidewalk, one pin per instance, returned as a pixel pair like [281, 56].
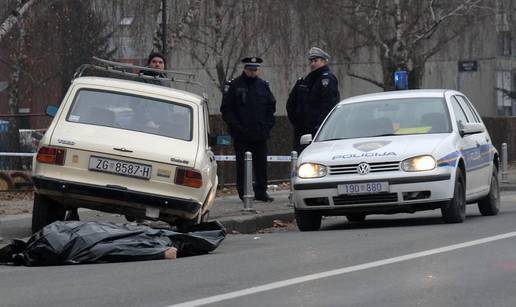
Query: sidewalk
[229, 210]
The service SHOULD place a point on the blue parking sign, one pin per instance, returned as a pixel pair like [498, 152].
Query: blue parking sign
[401, 80]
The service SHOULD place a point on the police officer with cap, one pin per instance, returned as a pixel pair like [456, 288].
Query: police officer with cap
[248, 108]
[312, 97]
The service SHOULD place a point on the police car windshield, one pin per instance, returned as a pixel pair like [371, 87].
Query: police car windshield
[386, 117]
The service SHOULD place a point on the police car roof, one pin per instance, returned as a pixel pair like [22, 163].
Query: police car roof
[427, 93]
[135, 86]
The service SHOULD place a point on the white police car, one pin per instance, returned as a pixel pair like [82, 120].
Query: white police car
[394, 152]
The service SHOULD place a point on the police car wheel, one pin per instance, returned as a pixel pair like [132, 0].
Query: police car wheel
[454, 210]
[308, 221]
[356, 217]
[490, 205]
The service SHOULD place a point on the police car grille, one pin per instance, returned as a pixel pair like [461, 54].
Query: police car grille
[375, 167]
[343, 200]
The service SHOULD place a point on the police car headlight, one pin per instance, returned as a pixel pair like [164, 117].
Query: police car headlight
[311, 170]
[418, 164]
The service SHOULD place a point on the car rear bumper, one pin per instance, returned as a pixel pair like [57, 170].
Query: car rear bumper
[115, 199]
[408, 194]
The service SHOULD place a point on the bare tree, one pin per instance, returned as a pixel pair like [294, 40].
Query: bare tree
[405, 34]
[225, 31]
[16, 15]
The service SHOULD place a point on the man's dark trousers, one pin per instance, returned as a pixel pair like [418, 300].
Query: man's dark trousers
[259, 152]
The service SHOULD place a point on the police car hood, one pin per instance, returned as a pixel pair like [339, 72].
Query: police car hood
[375, 149]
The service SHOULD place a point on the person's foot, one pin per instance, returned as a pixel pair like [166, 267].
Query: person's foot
[264, 197]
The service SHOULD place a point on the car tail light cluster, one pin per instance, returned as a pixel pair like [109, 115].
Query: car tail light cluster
[188, 178]
[51, 155]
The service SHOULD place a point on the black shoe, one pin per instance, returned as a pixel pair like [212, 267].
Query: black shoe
[264, 197]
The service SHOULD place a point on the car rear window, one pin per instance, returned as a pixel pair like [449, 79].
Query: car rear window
[131, 112]
[387, 117]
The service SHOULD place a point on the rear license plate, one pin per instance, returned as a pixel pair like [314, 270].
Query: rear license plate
[363, 188]
[120, 167]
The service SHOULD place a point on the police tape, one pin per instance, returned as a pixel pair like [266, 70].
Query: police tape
[269, 158]
[217, 157]
[17, 154]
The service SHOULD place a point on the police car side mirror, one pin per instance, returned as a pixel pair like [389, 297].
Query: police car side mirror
[305, 139]
[471, 128]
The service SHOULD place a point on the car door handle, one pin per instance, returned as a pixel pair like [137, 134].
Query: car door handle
[478, 144]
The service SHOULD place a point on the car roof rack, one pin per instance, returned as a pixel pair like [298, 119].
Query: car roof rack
[165, 77]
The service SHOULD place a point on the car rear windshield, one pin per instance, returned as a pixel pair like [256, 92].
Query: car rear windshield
[386, 117]
[130, 112]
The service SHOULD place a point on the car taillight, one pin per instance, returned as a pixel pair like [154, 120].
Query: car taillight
[51, 155]
[188, 178]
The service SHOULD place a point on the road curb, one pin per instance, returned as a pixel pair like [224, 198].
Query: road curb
[255, 222]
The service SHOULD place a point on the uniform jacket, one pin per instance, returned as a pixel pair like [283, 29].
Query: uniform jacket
[248, 107]
[311, 99]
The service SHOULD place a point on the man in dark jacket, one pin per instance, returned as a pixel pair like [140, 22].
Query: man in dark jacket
[156, 60]
[248, 108]
[312, 97]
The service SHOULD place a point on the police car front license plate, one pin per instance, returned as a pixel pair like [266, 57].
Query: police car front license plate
[363, 188]
[120, 167]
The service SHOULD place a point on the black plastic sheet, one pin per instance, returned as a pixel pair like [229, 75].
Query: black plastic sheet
[77, 242]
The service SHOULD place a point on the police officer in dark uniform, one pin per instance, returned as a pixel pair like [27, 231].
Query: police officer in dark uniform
[312, 97]
[248, 108]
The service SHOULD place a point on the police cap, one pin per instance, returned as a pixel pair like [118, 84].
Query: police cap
[315, 52]
[253, 62]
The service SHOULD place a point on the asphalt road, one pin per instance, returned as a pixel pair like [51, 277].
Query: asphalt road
[398, 260]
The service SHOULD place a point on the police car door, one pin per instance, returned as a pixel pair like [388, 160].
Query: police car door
[469, 150]
[483, 143]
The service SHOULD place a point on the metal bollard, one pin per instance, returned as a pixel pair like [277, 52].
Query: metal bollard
[505, 179]
[293, 173]
[248, 181]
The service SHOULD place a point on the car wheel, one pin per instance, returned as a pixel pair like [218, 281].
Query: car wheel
[356, 217]
[308, 221]
[490, 205]
[454, 210]
[45, 211]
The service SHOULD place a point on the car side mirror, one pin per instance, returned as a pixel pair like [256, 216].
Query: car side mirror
[471, 128]
[51, 110]
[305, 139]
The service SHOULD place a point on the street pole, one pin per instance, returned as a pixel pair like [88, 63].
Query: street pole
[293, 172]
[248, 181]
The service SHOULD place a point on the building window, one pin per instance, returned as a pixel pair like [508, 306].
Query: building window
[504, 43]
[503, 93]
[127, 21]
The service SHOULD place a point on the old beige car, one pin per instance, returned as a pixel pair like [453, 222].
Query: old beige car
[126, 147]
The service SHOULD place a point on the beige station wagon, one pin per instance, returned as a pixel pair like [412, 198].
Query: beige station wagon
[126, 147]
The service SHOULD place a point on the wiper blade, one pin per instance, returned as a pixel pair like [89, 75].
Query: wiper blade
[334, 139]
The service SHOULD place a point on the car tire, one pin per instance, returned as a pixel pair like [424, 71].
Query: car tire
[307, 220]
[45, 211]
[356, 217]
[490, 204]
[454, 210]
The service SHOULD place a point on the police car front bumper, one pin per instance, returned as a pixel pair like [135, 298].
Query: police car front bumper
[405, 194]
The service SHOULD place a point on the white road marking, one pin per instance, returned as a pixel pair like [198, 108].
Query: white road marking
[340, 271]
